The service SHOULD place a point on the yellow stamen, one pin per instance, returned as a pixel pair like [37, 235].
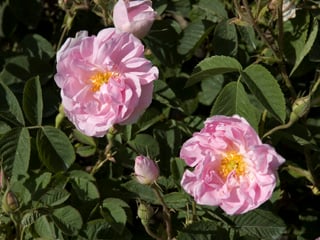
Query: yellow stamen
[99, 79]
[232, 161]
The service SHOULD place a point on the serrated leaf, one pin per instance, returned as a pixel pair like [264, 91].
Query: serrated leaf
[10, 110]
[45, 228]
[194, 35]
[261, 224]
[145, 144]
[54, 197]
[266, 89]
[177, 167]
[176, 200]
[32, 101]
[68, 220]
[114, 213]
[225, 39]
[15, 152]
[307, 47]
[97, 229]
[213, 10]
[85, 189]
[31, 216]
[165, 95]
[213, 66]
[144, 192]
[54, 149]
[37, 46]
[210, 88]
[233, 99]
[203, 230]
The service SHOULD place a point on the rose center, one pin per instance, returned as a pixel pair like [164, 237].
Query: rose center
[232, 161]
[100, 78]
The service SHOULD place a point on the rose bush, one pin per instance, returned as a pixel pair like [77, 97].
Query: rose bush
[104, 80]
[233, 169]
[134, 16]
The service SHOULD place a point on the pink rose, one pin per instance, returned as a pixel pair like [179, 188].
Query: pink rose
[146, 170]
[104, 80]
[233, 169]
[134, 16]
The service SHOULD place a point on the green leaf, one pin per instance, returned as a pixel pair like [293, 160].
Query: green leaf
[265, 87]
[68, 220]
[163, 40]
[225, 39]
[141, 191]
[37, 46]
[165, 95]
[83, 138]
[193, 36]
[32, 101]
[10, 110]
[307, 46]
[85, 189]
[177, 168]
[31, 216]
[4, 127]
[203, 230]
[146, 145]
[234, 100]
[212, 10]
[97, 229]
[210, 88]
[213, 66]
[113, 210]
[176, 200]
[54, 197]
[15, 152]
[261, 224]
[45, 228]
[54, 149]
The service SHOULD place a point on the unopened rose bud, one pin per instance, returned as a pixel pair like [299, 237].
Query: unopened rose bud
[9, 202]
[146, 170]
[300, 107]
[135, 17]
[145, 213]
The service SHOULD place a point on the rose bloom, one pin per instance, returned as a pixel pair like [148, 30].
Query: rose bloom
[145, 170]
[104, 80]
[134, 16]
[233, 169]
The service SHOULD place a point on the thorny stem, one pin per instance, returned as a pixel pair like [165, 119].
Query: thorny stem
[166, 212]
[278, 53]
[288, 124]
[258, 30]
[151, 234]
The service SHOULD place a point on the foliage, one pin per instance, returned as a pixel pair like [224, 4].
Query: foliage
[214, 57]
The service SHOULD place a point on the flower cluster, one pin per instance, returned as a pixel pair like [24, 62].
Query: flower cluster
[233, 169]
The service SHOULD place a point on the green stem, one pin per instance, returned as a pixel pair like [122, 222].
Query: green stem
[151, 234]
[277, 128]
[278, 53]
[107, 152]
[166, 212]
